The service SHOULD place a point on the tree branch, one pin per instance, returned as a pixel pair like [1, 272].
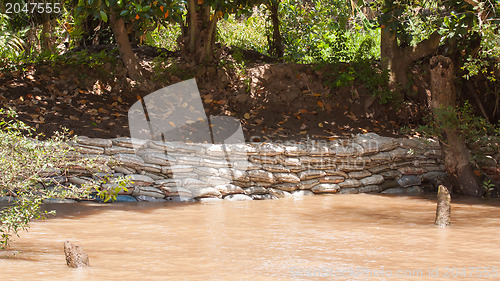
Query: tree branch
[210, 35]
[472, 2]
[426, 47]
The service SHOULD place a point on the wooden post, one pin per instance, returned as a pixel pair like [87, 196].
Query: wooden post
[75, 255]
[443, 209]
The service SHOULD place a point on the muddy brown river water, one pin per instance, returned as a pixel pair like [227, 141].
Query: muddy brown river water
[339, 237]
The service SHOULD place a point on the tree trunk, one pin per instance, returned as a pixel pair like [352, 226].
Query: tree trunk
[46, 32]
[198, 38]
[193, 31]
[398, 59]
[134, 69]
[392, 58]
[31, 39]
[456, 154]
[276, 45]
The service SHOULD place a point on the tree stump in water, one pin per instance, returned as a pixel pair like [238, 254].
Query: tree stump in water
[443, 210]
[75, 255]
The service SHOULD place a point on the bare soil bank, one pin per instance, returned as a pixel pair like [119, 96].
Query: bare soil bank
[272, 100]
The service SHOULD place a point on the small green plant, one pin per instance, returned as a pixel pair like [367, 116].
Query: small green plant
[488, 188]
[238, 56]
[107, 194]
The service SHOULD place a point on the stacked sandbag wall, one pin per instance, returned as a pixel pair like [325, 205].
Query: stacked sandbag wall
[367, 163]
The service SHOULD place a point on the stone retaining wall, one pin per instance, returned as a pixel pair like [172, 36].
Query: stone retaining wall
[184, 171]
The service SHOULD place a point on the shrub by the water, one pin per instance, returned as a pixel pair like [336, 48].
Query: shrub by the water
[30, 172]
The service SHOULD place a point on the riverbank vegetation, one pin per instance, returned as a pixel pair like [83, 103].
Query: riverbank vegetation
[332, 68]
[31, 173]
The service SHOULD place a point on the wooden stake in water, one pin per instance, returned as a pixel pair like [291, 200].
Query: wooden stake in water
[75, 255]
[443, 210]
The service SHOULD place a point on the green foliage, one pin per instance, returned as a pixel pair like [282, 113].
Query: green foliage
[110, 193]
[224, 8]
[11, 43]
[456, 25]
[485, 60]
[462, 24]
[207, 14]
[460, 120]
[144, 15]
[462, 30]
[245, 33]
[143, 11]
[164, 36]
[18, 217]
[325, 31]
[31, 171]
[360, 72]
[26, 15]
[411, 20]
[488, 187]
[94, 61]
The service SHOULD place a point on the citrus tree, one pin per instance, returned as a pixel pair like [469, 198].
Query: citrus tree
[200, 24]
[137, 16]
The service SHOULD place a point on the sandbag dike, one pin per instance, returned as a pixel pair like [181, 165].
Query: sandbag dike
[161, 171]
[176, 171]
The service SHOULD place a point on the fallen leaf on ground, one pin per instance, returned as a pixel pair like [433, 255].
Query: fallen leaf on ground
[102, 110]
[352, 116]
